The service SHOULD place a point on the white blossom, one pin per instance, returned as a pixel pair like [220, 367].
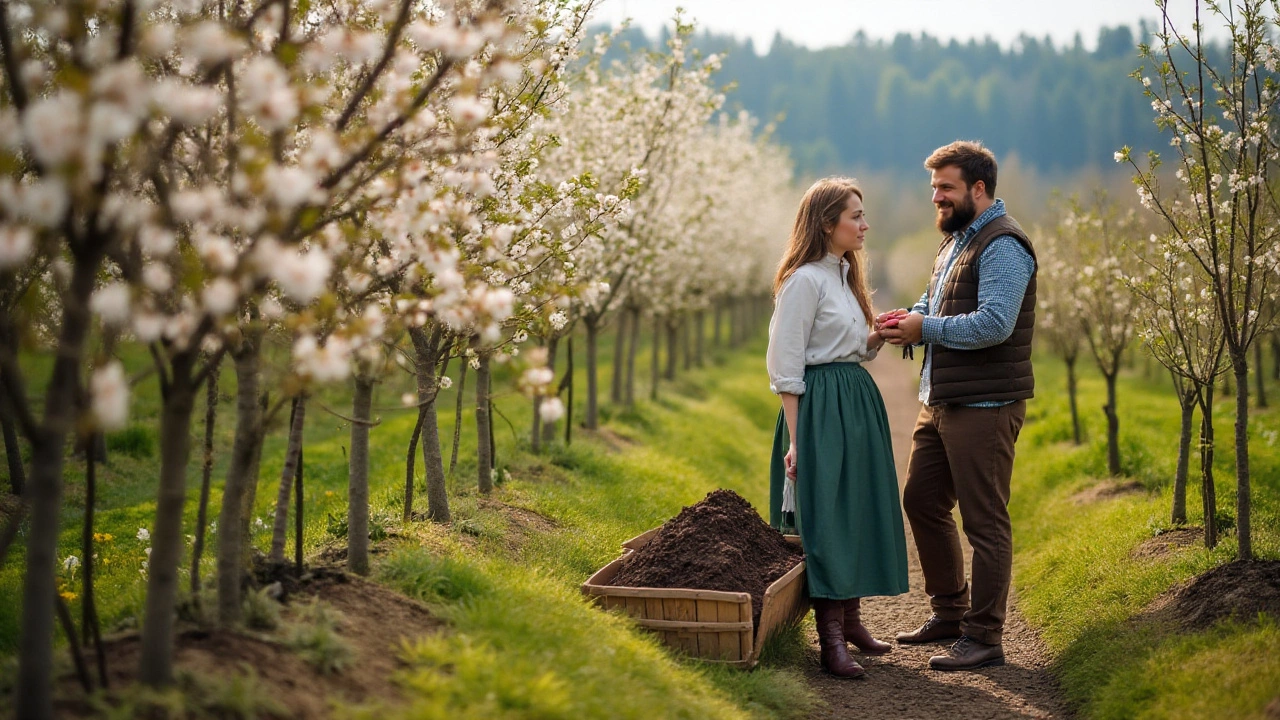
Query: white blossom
[551, 409]
[16, 244]
[111, 303]
[109, 392]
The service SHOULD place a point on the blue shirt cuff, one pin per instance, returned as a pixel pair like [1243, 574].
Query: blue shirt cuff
[931, 329]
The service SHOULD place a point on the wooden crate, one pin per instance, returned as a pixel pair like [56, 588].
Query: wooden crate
[708, 624]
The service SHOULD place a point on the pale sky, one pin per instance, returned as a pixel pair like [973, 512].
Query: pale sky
[820, 23]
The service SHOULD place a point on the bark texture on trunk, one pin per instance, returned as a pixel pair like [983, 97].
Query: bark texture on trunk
[156, 653]
[280, 529]
[633, 349]
[206, 475]
[12, 447]
[1208, 494]
[1187, 404]
[1244, 503]
[592, 419]
[44, 496]
[358, 480]
[1113, 427]
[484, 451]
[619, 350]
[242, 475]
[1072, 400]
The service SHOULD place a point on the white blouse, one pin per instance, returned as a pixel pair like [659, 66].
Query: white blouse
[816, 320]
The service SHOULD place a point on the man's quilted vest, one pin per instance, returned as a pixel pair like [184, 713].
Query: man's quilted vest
[997, 373]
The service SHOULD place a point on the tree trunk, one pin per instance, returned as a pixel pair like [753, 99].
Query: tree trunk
[673, 347]
[1258, 371]
[484, 452]
[457, 418]
[549, 428]
[592, 420]
[1275, 356]
[1244, 529]
[1187, 402]
[568, 405]
[655, 364]
[206, 476]
[433, 464]
[719, 312]
[1208, 494]
[699, 336]
[156, 652]
[89, 624]
[248, 504]
[408, 464]
[44, 495]
[1113, 426]
[619, 350]
[686, 339]
[358, 476]
[280, 530]
[297, 513]
[1072, 398]
[242, 477]
[633, 349]
[12, 448]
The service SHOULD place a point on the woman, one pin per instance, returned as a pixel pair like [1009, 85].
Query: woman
[832, 436]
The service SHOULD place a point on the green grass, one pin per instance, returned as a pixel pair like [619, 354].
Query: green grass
[1078, 581]
[522, 641]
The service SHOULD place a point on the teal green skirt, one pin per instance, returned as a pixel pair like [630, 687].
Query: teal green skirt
[847, 509]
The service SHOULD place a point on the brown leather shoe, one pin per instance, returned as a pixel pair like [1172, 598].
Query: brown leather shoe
[835, 654]
[968, 654]
[935, 629]
[857, 633]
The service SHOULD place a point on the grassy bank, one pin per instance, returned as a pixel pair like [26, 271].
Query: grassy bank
[1083, 578]
[505, 574]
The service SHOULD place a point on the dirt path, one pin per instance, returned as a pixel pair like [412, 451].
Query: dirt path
[900, 684]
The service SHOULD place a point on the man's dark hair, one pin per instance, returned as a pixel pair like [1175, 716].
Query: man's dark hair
[975, 163]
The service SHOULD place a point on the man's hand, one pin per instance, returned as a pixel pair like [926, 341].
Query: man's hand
[902, 330]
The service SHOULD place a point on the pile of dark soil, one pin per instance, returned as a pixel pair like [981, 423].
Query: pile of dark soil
[1241, 589]
[721, 543]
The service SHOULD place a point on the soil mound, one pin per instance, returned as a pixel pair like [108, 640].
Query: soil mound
[1168, 543]
[1241, 589]
[373, 621]
[720, 543]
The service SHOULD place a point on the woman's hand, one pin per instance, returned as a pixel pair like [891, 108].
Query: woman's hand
[874, 340]
[789, 461]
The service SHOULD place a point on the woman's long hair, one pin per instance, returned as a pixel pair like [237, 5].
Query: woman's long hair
[811, 236]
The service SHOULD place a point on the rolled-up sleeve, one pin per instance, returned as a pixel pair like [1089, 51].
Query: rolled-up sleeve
[793, 316]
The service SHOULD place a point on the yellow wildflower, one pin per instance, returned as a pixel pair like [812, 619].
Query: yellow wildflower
[68, 596]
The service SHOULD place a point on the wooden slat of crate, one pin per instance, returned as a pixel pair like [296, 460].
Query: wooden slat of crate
[708, 624]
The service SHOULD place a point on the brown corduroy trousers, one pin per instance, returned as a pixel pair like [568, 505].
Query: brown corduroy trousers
[965, 455]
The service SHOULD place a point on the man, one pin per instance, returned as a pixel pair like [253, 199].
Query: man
[975, 321]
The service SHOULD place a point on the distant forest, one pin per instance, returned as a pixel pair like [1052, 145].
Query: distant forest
[886, 104]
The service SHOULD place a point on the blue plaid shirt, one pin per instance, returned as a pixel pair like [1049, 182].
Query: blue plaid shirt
[1004, 269]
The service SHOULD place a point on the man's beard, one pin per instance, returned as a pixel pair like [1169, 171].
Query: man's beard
[962, 214]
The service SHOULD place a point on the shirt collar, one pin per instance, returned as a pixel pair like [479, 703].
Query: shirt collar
[832, 259]
[991, 213]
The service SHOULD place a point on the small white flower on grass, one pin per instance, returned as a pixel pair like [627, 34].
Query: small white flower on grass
[143, 534]
[551, 410]
[110, 393]
[70, 563]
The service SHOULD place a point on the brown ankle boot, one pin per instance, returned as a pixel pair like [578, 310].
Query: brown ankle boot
[857, 633]
[835, 654]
